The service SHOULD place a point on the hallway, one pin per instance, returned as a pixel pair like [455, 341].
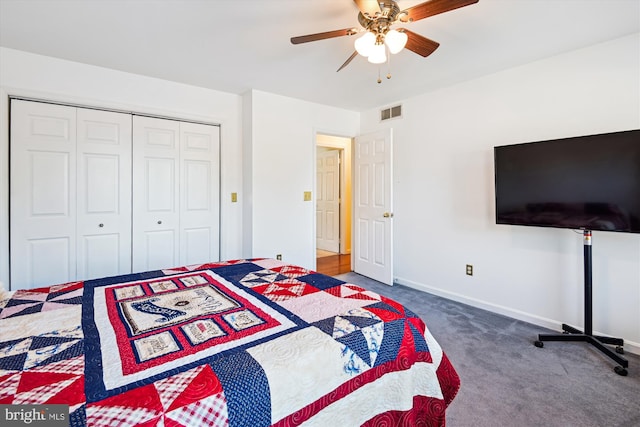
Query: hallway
[332, 265]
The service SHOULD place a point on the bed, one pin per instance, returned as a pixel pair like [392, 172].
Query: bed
[237, 343]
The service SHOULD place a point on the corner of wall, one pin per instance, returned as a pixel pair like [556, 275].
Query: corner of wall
[4, 186]
[247, 169]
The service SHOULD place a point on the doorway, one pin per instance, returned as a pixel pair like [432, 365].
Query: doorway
[333, 204]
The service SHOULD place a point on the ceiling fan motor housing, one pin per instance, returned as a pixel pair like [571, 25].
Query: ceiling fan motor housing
[382, 21]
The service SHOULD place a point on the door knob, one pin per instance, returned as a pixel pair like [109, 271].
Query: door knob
[159, 222]
[100, 225]
[387, 215]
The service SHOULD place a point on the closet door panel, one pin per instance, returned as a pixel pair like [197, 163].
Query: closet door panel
[198, 242]
[50, 261]
[100, 256]
[42, 200]
[160, 175]
[160, 249]
[104, 193]
[50, 184]
[200, 193]
[101, 185]
[197, 175]
[156, 218]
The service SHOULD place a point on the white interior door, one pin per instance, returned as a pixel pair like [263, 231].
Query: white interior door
[42, 194]
[199, 193]
[373, 209]
[103, 193]
[156, 227]
[328, 200]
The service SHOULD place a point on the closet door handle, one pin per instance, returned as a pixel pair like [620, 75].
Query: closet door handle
[101, 225]
[159, 222]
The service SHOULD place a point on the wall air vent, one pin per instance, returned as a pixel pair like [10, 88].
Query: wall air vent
[391, 113]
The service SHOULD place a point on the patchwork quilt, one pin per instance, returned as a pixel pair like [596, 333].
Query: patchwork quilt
[236, 343]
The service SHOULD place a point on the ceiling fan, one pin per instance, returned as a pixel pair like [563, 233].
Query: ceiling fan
[377, 17]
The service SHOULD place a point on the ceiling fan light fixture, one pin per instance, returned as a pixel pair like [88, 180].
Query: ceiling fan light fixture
[376, 17]
[378, 54]
[364, 45]
[395, 41]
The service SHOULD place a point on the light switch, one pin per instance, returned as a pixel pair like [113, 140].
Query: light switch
[307, 196]
[234, 197]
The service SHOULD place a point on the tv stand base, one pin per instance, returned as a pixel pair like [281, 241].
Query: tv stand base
[572, 334]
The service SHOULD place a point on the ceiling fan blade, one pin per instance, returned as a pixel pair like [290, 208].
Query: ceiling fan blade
[433, 7]
[322, 36]
[353, 55]
[419, 44]
[368, 7]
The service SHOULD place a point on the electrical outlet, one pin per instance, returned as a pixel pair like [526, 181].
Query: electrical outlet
[469, 270]
[279, 257]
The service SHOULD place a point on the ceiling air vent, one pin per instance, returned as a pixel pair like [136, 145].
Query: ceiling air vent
[391, 113]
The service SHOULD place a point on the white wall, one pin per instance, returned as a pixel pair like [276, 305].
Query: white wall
[281, 167]
[25, 74]
[444, 195]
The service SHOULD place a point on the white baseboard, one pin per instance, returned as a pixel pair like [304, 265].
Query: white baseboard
[629, 346]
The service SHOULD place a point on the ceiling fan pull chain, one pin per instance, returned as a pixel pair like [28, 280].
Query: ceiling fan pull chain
[388, 65]
[379, 79]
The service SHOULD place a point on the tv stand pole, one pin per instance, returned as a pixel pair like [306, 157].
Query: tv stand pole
[573, 334]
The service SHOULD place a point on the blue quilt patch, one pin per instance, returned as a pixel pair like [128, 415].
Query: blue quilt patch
[234, 373]
[320, 281]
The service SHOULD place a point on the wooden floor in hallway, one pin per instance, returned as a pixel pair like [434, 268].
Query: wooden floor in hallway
[333, 265]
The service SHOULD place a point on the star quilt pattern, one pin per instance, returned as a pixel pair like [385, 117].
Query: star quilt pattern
[234, 343]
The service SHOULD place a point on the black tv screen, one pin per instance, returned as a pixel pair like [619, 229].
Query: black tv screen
[588, 182]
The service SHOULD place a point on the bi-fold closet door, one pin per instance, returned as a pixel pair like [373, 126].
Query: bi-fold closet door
[97, 193]
[70, 194]
[176, 184]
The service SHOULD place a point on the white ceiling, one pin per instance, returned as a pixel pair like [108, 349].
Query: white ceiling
[238, 45]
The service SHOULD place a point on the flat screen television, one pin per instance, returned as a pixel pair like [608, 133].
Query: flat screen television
[587, 182]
